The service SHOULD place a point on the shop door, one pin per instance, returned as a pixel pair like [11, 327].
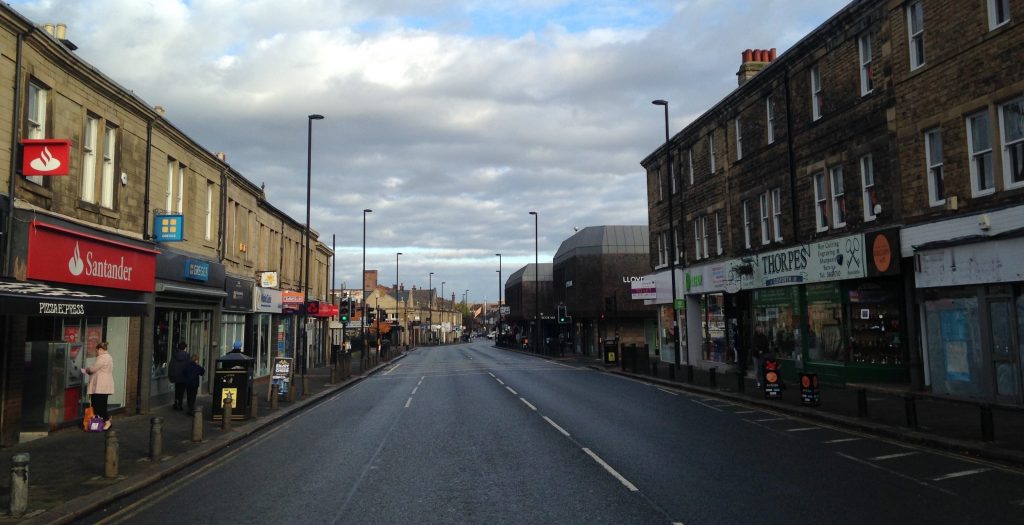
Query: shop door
[1005, 361]
[199, 341]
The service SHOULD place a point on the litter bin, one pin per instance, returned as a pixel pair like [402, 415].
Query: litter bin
[611, 354]
[232, 375]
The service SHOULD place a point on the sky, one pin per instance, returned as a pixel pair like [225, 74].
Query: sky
[451, 120]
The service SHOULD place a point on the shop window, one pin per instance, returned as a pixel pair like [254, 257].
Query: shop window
[825, 323]
[876, 326]
[717, 344]
[953, 336]
[777, 310]
[233, 329]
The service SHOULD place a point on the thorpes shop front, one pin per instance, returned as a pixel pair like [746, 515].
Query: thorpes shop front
[75, 287]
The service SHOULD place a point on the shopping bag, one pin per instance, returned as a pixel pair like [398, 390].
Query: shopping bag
[89, 414]
[94, 424]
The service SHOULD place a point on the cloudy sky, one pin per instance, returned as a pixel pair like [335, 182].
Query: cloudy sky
[450, 119]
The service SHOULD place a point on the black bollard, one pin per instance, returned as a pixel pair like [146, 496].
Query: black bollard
[862, 402]
[987, 424]
[254, 404]
[156, 439]
[911, 409]
[110, 464]
[19, 484]
[713, 377]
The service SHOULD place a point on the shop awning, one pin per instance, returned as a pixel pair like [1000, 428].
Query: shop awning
[33, 298]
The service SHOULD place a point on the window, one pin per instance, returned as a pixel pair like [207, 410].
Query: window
[696, 239]
[36, 118]
[838, 197]
[92, 125]
[107, 180]
[866, 72]
[689, 164]
[867, 185]
[672, 177]
[739, 139]
[746, 224]
[816, 96]
[677, 247]
[662, 259]
[661, 185]
[933, 158]
[998, 13]
[718, 235]
[979, 145]
[777, 213]
[181, 187]
[769, 109]
[711, 151]
[172, 167]
[915, 33]
[820, 202]
[704, 236]
[209, 210]
[1011, 124]
[765, 239]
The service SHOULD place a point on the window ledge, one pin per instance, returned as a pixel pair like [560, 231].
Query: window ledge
[37, 189]
[107, 212]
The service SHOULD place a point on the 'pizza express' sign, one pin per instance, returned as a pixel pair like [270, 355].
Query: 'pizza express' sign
[831, 260]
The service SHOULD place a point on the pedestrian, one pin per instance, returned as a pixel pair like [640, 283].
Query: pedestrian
[193, 371]
[101, 383]
[760, 348]
[176, 373]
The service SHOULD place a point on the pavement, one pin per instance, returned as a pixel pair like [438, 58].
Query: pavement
[67, 468]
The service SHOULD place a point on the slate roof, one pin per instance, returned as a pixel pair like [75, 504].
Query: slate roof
[602, 240]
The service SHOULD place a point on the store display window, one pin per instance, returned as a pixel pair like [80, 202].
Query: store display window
[955, 355]
[175, 326]
[876, 325]
[778, 311]
[717, 344]
[826, 339]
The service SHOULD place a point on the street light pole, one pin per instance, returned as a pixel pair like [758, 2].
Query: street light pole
[430, 307]
[536, 284]
[362, 320]
[441, 310]
[672, 239]
[396, 295]
[304, 280]
[499, 295]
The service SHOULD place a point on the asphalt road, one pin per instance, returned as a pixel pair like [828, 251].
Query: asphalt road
[474, 434]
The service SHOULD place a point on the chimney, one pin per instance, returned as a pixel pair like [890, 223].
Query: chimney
[61, 32]
[754, 60]
[48, 28]
[160, 110]
[222, 156]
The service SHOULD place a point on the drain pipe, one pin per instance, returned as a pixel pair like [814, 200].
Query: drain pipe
[141, 393]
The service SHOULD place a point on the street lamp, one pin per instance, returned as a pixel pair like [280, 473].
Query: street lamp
[536, 284]
[304, 280]
[499, 292]
[441, 311]
[363, 319]
[396, 294]
[672, 239]
[430, 307]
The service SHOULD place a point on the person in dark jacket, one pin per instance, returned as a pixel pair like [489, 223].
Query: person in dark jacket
[193, 371]
[176, 373]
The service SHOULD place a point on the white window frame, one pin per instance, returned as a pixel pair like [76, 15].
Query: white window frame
[109, 159]
[89, 136]
[718, 234]
[209, 210]
[867, 187]
[676, 247]
[867, 82]
[696, 239]
[1013, 147]
[35, 115]
[172, 168]
[739, 139]
[765, 214]
[661, 184]
[935, 172]
[777, 214]
[662, 253]
[704, 233]
[915, 35]
[181, 188]
[817, 98]
[820, 201]
[980, 157]
[838, 196]
[746, 223]
[770, 118]
[711, 151]
[674, 188]
[998, 13]
[689, 163]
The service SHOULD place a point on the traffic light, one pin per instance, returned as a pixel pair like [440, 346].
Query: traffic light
[562, 316]
[343, 311]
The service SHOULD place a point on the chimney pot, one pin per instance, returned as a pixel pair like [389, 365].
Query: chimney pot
[222, 156]
[62, 32]
[159, 110]
[48, 28]
[764, 55]
[772, 54]
[747, 56]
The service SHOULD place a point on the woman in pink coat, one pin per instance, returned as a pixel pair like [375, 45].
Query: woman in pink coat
[101, 383]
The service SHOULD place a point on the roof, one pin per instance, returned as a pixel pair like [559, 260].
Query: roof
[600, 240]
[526, 273]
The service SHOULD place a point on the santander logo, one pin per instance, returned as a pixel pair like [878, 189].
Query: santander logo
[75, 264]
[45, 162]
[95, 267]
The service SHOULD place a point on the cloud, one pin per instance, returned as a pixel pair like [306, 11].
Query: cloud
[451, 120]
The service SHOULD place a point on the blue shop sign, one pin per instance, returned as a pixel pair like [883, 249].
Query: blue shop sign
[169, 228]
[196, 270]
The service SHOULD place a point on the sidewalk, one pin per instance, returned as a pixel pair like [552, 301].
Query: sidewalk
[955, 427]
[66, 469]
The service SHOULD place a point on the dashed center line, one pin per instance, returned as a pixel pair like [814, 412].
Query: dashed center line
[408, 402]
[770, 419]
[893, 456]
[560, 429]
[613, 472]
[961, 474]
[513, 391]
[744, 411]
[528, 404]
[802, 429]
[414, 390]
[499, 381]
[842, 440]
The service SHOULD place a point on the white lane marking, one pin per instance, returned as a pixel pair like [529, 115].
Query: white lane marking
[513, 391]
[613, 472]
[668, 392]
[744, 411]
[841, 440]
[961, 474]
[499, 381]
[528, 404]
[560, 429]
[414, 391]
[421, 380]
[893, 456]
[392, 369]
[897, 474]
[707, 405]
[492, 375]
[408, 402]
[802, 429]
[770, 419]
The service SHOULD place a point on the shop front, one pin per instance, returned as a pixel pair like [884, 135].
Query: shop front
[266, 325]
[235, 317]
[82, 288]
[189, 293]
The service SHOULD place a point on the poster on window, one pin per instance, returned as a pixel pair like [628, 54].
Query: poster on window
[72, 334]
[954, 337]
[93, 337]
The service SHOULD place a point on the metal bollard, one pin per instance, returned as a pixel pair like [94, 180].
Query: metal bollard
[713, 377]
[291, 392]
[156, 438]
[19, 484]
[911, 409]
[988, 432]
[274, 394]
[862, 402]
[305, 385]
[228, 401]
[111, 464]
[197, 425]
[254, 404]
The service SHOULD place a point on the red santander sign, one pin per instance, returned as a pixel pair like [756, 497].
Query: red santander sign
[66, 256]
[45, 156]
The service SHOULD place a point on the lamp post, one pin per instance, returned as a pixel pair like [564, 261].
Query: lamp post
[441, 311]
[396, 294]
[499, 293]
[304, 280]
[362, 320]
[536, 284]
[430, 307]
[672, 241]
